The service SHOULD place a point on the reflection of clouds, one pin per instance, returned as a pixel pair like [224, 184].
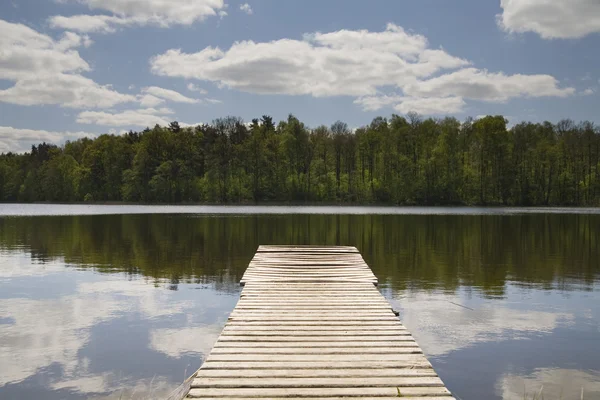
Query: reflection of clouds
[150, 301]
[155, 388]
[54, 331]
[555, 384]
[441, 327]
[85, 384]
[46, 332]
[16, 265]
[177, 342]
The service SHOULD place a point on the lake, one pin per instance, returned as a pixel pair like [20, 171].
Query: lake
[124, 302]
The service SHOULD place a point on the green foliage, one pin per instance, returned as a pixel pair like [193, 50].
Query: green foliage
[401, 160]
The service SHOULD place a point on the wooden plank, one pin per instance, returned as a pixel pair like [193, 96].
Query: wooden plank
[316, 333]
[270, 344]
[327, 315]
[391, 391]
[436, 397]
[397, 355]
[307, 294]
[407, 361]
[313, 309]
[405, 348]
[315, 373]
[274, 272]
[312, 321]
[305, 248]
[313, 382]
[331, 305]
[333, 340]
[240, 331]
[311, 285]
[300, 279]
[307, 251]
[287, 305]
[323, 308]
[315, 329]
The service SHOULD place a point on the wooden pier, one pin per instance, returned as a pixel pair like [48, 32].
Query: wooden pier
[311, 324]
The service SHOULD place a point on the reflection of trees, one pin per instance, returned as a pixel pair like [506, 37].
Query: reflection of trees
[404, 250]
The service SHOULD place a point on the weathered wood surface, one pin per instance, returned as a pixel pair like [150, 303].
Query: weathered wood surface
[311, 324]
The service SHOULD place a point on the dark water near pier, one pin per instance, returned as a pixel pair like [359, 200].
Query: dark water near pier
[125, 301]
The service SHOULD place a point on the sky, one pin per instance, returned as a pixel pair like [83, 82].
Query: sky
[76, 68]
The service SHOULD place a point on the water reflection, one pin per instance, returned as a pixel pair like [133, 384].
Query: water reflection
[109, 306]
[427, 251]
[552, 384]
[443, 323]
[106, 334]
[505, 343]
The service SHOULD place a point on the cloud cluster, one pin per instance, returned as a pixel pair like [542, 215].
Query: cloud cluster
[359, 63]
[146, 117]
[404, 105]
[46, 71]
[167, 94]
[162, 13]
[17, 140]
[551, 18]
[194, 88]
[246, 8]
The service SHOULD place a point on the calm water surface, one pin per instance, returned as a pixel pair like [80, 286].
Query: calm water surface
[109, 302]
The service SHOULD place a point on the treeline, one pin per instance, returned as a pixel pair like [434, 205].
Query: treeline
[401, 160]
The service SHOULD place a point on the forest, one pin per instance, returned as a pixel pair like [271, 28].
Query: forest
[401, 160]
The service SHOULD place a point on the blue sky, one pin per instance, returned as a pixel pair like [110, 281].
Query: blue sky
[71, 68]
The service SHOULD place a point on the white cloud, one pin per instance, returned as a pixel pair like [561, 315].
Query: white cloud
[423, 105]
[27, 53]
[212, 101]
[430, 105]
[46, 71]
[193, 88]
[551, 18]
[67, 90]
[360, 64]
[588, 92]
[188, 125]
[163, 13]
[246, 8]
[150, 101]
[147, 117]
[144, 117]
[87, 23]
[71, 40]
[477, 84]
[19, 140]
[113, 131]
[168, 94]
